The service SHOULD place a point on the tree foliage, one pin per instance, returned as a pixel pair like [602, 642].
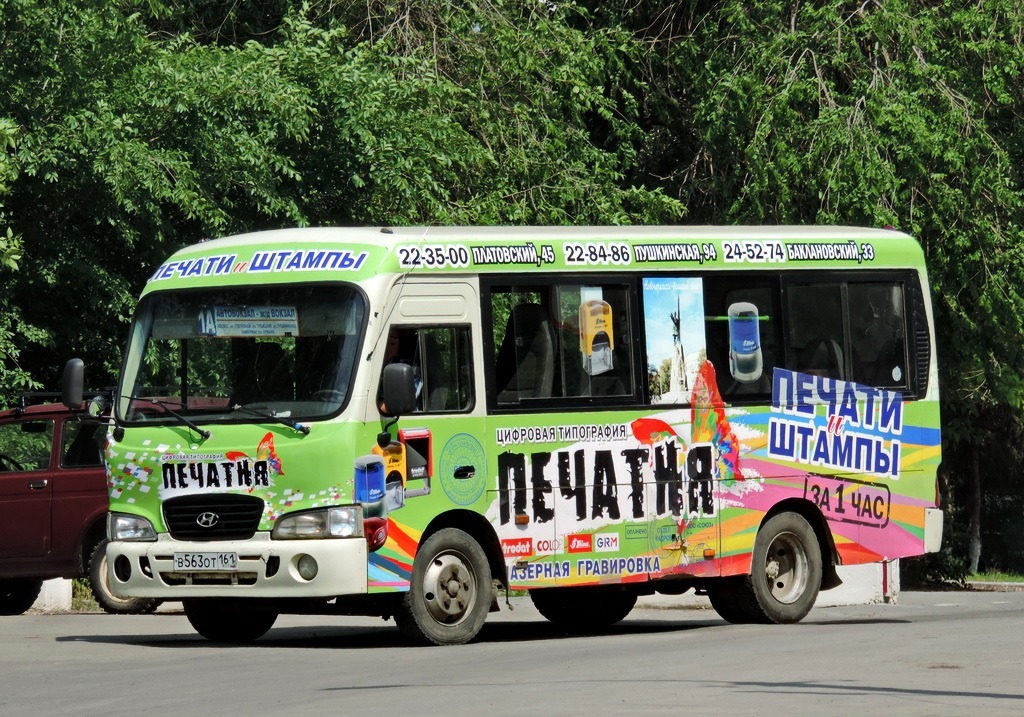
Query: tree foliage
[887, 113]
[142, 128]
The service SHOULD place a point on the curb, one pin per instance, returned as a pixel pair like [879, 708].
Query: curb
[995, 587]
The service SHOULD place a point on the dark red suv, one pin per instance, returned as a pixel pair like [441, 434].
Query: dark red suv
[53, 505]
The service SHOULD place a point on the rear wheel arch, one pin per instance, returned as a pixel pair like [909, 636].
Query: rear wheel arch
[784, 578]
[811, 513]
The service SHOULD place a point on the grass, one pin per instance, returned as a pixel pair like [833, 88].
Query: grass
[994, 576]
[81, 597]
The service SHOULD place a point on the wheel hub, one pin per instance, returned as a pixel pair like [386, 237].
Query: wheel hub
[449, 589]
[786, 568]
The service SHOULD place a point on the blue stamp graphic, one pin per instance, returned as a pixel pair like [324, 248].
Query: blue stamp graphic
[463, 469]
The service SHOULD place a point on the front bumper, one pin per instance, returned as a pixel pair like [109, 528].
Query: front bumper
[266, 568]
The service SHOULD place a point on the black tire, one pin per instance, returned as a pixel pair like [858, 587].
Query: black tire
[727, 598]
[450, 593]
[785, 576]
[226, 620]
[17, 596]
[99, 583]
[583, 609]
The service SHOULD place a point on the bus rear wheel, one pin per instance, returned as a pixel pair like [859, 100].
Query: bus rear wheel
[226, 620]
[583, 609]
[450, 592]
[785, 576]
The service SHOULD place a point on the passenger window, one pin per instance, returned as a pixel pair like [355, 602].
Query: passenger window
[878, 339]
[561, 341]
[741, 327]
[676, 344]
[727, 322]
[524, 366]
[816, 341]
[441, 359]
[852, 331]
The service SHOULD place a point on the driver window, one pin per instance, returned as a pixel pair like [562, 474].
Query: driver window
[442, 369]
[262, 372]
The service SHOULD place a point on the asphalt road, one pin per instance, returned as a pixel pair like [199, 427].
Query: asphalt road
[942, 653]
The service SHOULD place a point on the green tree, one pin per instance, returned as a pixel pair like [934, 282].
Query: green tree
[892, 113]
[14, 378]
[131, 128]
[161, 124]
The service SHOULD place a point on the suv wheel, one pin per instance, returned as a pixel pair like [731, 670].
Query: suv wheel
[17, 596]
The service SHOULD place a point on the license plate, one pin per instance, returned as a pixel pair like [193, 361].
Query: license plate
[205, 562]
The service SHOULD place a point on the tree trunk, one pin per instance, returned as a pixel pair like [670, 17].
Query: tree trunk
[974, 512]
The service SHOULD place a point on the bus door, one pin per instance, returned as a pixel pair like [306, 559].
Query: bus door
[683, 500]
[436, 457]
[686, 431]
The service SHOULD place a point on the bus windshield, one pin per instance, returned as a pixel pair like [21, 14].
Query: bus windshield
[235, 354]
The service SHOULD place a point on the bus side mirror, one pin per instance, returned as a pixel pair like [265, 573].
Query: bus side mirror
[99, 406]
[72, 382]
[399, 389]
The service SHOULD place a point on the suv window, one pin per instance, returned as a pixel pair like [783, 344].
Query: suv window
[25, 445]
[82, 445]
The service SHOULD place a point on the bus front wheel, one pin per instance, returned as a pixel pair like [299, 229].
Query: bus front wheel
[785, 576]
[450, 592]
[99, 583]
[226, 620]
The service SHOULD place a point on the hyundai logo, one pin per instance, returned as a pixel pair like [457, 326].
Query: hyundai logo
[207, 519]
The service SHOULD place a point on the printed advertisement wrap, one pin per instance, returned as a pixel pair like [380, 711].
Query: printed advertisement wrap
[683, 491]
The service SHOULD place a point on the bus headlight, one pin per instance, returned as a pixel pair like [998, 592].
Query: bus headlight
[344, 521]
[121, 526]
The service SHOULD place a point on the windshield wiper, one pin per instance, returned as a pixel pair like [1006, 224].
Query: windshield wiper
[184, 421]
[294, 425]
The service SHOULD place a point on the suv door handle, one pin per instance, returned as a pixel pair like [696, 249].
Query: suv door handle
[37, 484]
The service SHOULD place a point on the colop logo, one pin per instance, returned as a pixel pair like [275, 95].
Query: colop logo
[580, 543]
[517, 547]
[606, 543]
[549, 546]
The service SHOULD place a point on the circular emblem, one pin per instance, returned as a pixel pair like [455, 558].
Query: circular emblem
[463, 469]
[207, 519]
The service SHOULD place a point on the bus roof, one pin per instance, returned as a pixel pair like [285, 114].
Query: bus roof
[355, 253]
